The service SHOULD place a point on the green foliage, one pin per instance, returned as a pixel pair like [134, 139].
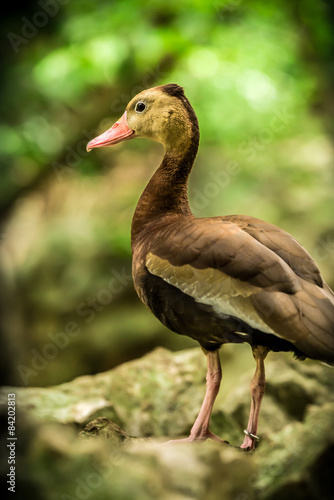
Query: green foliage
[259, 78]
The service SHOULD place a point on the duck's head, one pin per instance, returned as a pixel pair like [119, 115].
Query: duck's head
[162, 113]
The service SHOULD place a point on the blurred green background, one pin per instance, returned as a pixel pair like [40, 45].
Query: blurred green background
[260, 76]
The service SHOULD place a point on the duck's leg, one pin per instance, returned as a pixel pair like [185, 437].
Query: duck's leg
[257, 387]
[200, 430]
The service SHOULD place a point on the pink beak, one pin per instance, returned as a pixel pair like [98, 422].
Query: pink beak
[119, 132]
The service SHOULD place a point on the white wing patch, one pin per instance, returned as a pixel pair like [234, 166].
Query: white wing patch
[209, 286]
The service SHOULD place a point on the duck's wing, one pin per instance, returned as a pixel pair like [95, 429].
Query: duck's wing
[283, 244]
[247, 274]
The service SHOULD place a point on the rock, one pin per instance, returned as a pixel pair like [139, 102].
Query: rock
[104, 428]
[124, 415]
[157, 395]
[299, 458]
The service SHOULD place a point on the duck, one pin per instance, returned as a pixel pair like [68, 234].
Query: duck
[224, 279]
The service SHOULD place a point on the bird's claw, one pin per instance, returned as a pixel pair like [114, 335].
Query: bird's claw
[201, 436]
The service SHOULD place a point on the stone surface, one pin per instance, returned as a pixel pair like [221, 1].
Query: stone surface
[104, 428]
[102, 436]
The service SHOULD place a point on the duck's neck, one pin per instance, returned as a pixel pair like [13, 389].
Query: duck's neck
[166, 192]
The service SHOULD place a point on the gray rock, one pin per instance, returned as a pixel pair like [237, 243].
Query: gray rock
[100, 437]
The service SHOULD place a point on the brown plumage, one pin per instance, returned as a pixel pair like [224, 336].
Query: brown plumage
[220, 279]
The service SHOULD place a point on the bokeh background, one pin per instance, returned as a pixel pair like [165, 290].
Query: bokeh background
[260, 76]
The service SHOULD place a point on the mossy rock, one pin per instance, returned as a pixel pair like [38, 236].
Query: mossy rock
[103, 436]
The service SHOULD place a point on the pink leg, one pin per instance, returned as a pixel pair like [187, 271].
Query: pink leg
[257, 387]
[200, 430]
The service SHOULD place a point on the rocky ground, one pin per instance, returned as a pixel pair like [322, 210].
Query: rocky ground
[102, 437]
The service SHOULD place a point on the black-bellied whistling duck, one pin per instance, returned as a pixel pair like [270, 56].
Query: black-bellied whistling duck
[218, 279]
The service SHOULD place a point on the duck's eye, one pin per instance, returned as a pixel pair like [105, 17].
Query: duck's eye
[140, 107]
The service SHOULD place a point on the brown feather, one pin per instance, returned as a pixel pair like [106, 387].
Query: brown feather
[275, 298]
